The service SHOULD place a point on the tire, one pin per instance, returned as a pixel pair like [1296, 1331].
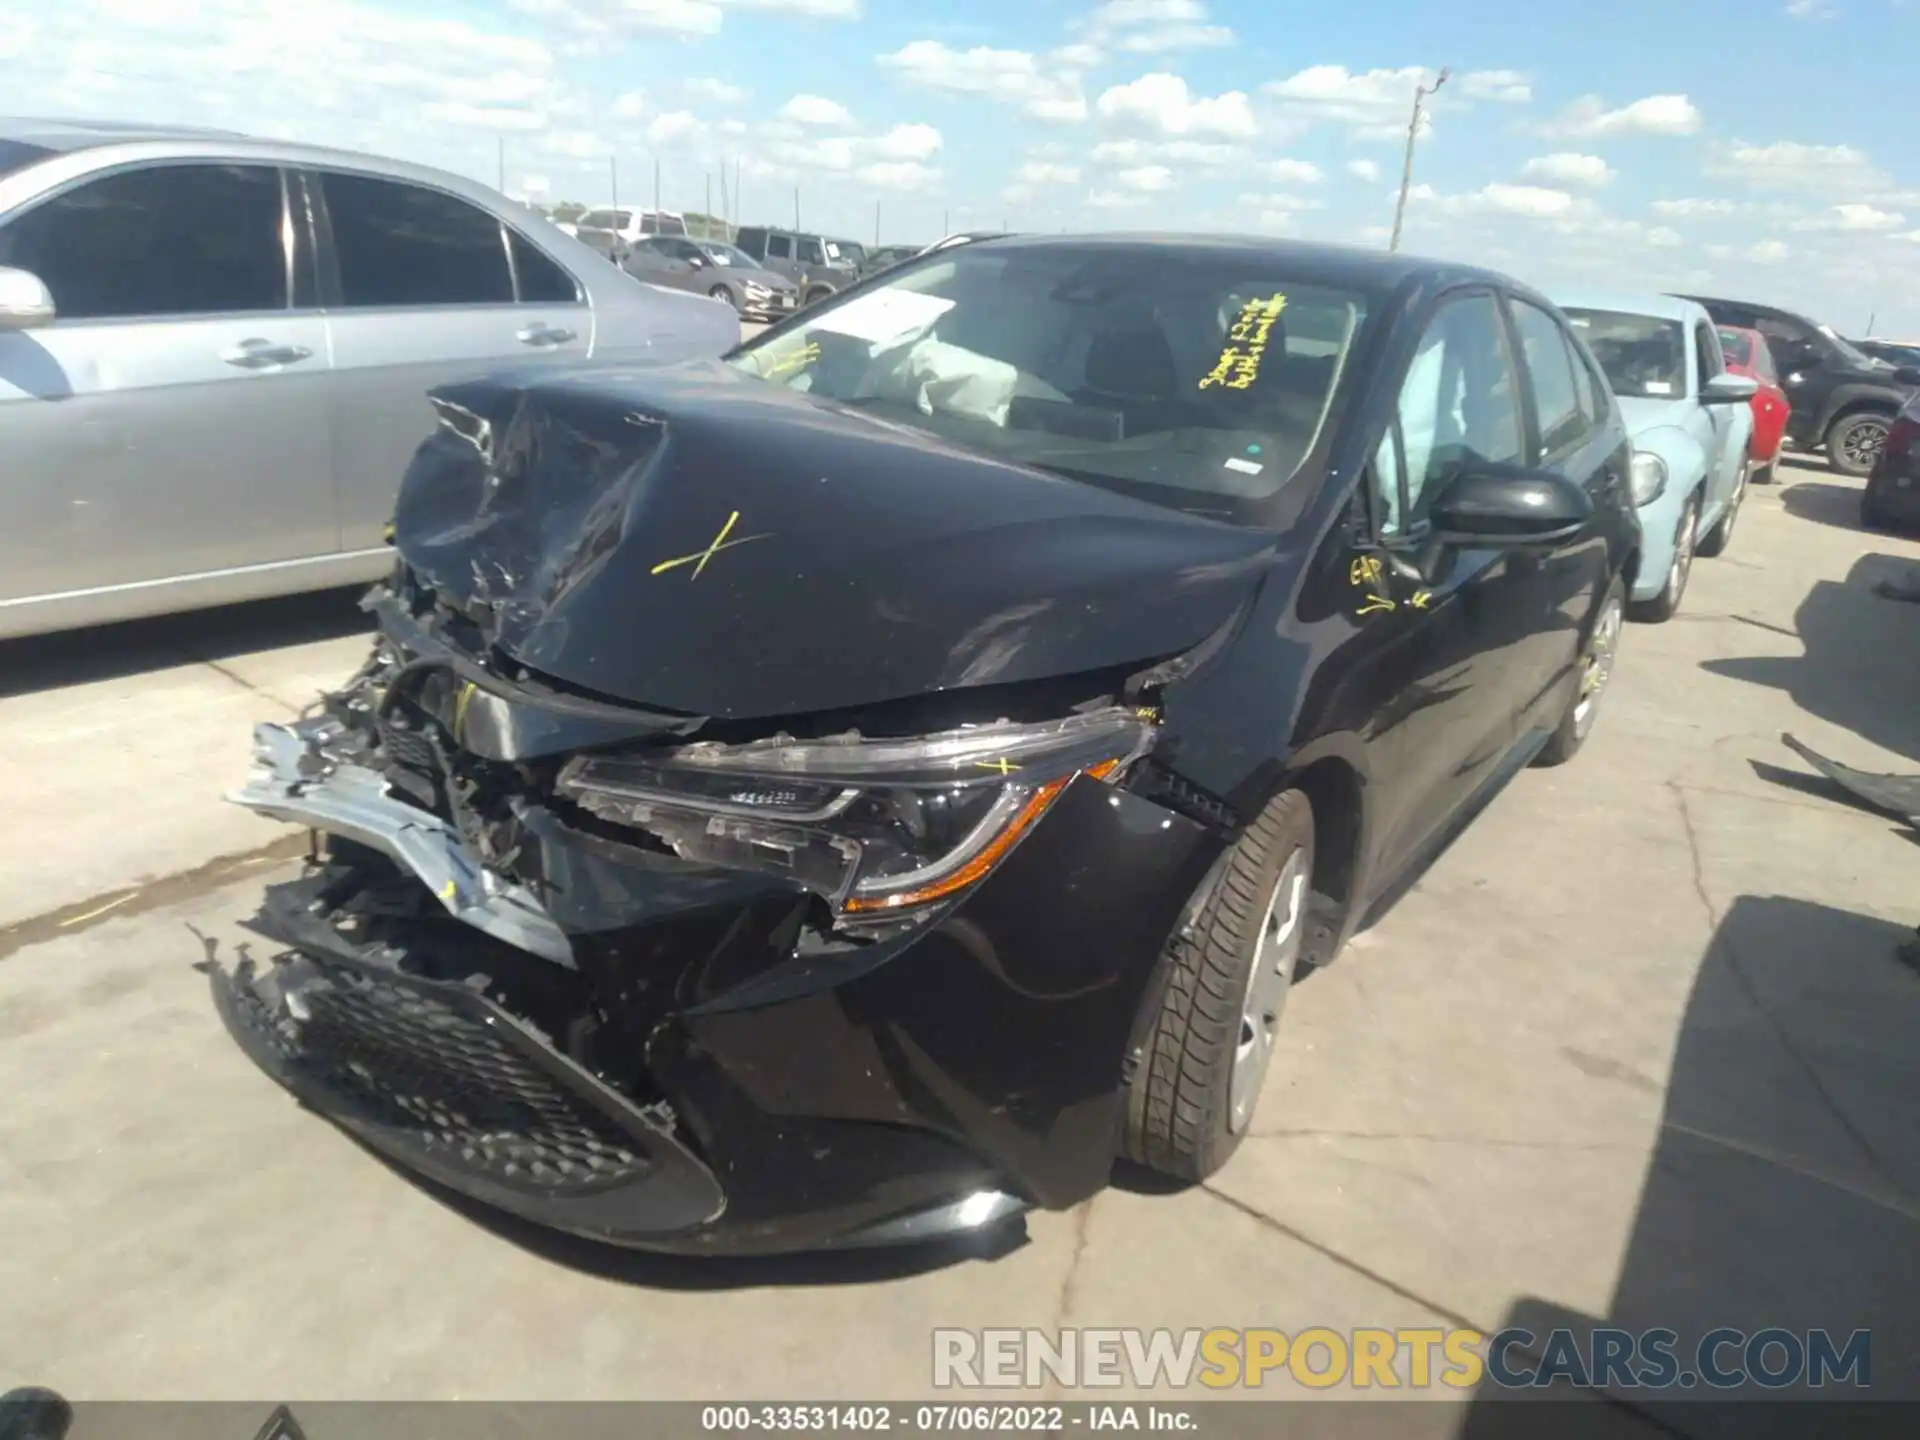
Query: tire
[1663, 606]
[814, 297]
[722, 292]
[1714, 543]
[1596, 669]
[1854, 442]
[1193, 1095]
[1766, 475]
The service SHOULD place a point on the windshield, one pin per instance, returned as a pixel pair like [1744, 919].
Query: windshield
[1200, 384]
[1643, 356]
[847, 249]
[726, 255]
[1853, 354]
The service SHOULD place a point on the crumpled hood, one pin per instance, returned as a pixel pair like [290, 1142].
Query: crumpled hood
[695, 539]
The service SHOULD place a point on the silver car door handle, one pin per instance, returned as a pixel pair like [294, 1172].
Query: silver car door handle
[258, 354]
[541, 334]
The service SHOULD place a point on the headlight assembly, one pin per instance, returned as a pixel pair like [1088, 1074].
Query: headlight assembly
[876, 827]
[1649, 477]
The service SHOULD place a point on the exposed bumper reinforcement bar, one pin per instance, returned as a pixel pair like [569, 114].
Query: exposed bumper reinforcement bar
[354, 802]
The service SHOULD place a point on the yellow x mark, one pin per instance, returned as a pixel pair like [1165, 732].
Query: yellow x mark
[699, 558]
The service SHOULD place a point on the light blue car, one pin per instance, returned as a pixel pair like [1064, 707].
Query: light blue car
[1691, 424]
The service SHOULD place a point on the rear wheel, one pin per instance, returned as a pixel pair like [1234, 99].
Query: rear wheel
[1765, 474]
[721, 292]
[1716, 540]
[1662, 606]
[1596, 669]
[814, 297]
[1855, 442]
[1227, 977]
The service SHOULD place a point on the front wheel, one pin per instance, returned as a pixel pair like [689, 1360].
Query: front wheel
[1596, 669]
[1227, 977]
[814, 297]
[722, 292]
[1855, 442]
[1667, 602]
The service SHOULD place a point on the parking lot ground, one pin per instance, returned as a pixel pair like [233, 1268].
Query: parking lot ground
[1636, 1051]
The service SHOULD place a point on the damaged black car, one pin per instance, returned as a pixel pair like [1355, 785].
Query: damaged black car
[852, 790]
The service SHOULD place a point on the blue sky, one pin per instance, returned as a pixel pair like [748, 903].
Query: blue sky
[1766, 148]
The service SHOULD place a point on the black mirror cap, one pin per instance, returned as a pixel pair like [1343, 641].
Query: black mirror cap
[1500, 505]
[1907, 375]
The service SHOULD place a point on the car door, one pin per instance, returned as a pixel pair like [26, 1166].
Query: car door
[1721, 434]
[1800, 353]
[1441, 643]
[172, 420]
[423, 287]
[780, 257]
[1554, 592]
[650, 261]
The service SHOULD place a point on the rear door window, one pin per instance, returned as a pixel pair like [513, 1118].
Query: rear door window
[778, 248]
[156, 241]
[811, 253]
[542, 279]
[405, 245]
[1551, 370]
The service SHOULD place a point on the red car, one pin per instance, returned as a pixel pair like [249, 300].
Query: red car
[1747, 354]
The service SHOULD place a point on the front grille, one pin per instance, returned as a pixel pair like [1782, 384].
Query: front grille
[454, 1084]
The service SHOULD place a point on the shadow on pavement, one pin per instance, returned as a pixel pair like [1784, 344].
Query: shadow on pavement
[1784, 1191]
[1857, 672]
[1828, 502]
[107, 652]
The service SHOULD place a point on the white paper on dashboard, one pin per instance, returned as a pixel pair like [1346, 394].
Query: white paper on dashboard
[884, 315]
[1659, 387]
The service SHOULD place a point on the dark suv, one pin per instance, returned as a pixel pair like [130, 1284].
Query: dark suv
[818, 264]
[1843, 400]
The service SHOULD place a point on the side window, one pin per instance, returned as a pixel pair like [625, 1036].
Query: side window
[542, 281]
[778, 248]
[1458, 404]
[1706, 355]
[1589, 390]
[753, 243]
[1763, 365]
[811, 253]
[163, 240]
[1551, 370]
[596, 220]
[1791, 344]
[402, 244]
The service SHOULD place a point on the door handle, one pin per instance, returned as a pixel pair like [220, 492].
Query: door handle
[258, 354]
[540, 333]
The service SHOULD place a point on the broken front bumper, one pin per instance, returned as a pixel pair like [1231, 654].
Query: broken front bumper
[735, 1091]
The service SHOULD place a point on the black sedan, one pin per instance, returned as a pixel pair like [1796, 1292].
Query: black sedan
[852, 790]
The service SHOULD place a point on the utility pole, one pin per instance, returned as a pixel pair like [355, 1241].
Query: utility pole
[613, 181]
[656, 187]
[946, 222]
[708, 212]
[1420, 94]
[796, 207]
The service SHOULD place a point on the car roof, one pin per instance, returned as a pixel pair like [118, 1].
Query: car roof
[1632, 302]
[1349, 267]
[62, 135]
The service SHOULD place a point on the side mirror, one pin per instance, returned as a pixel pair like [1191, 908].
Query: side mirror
[1728, 390]
[1907, 375]
[25, 301]
[699, 262]
[1501, 507]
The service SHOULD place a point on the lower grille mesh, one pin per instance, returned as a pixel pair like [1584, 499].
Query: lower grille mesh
[457, 1085]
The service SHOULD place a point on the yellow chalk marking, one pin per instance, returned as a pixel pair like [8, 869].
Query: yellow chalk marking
[460, 711]
[1239, 363]
[1421, 599]
[449, 890]
[1364, 571]
[1002, 765]
[1375, 604]
[100, 910]
[387, 531]
[699, 558]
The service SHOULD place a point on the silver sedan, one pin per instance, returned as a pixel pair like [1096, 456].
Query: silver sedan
[214, 353]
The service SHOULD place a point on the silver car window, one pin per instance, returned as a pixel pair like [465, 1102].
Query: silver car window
[399, 244]
[158, 240]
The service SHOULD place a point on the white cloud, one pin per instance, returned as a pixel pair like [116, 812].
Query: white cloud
[1046, 172]
[1014, 76]
[1379, 103]
[630, 106]
[1652, 115]
[1278, 201]
[1293, 172]
[816, 110]
[900, 175]
[1564, 167]
[1161, 103]
[908, 142]
[610, 17]
[1148, 179]
[1153, 27]
[1367, 170]
[1854, 218]
[1497, 198]
[672, 126]
[813, 9]
[1812, 9]
[1768, 252]
[718, 91]
[1694, 208]
[1791, 165]
[1197, 154]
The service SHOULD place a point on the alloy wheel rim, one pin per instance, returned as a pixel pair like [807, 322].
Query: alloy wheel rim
[1269, 981]
[1598, 670]
[1863, 443]
[1683, 551]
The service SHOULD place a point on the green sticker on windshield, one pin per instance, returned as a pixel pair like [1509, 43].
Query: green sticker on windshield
[1239, 363]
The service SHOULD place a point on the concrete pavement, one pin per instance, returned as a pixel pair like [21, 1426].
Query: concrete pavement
[1636, 1051]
